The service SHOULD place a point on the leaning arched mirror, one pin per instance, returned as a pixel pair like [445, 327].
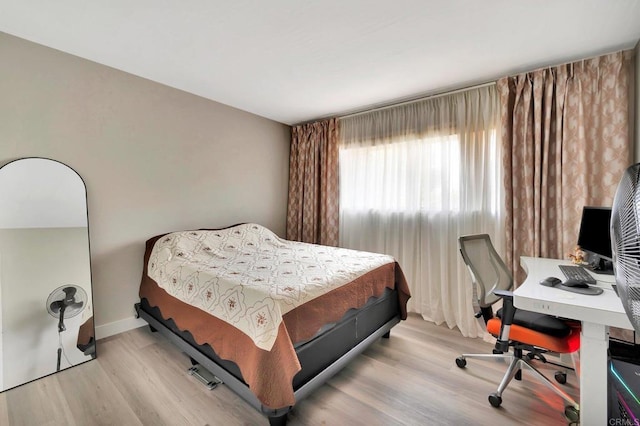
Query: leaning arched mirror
[46, 309]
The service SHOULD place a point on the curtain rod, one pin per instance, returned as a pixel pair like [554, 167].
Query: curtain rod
[463, 89]
[423, 98]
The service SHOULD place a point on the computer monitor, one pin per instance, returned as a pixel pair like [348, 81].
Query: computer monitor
[595, 238]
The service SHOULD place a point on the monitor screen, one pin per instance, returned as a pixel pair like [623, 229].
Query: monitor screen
[595, 232]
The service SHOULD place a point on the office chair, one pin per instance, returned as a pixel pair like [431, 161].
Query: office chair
[529, 334]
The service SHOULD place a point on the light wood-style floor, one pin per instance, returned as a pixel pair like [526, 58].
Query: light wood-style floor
[139, 378]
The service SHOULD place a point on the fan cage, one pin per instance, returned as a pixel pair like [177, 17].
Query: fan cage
[59, 294]
[625, 239]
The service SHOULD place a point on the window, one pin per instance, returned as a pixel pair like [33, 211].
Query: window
[415, 177]
[418, 175]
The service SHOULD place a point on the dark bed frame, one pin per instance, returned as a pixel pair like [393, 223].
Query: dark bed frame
[320, 358]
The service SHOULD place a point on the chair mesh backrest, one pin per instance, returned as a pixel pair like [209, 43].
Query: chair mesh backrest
[625, 241]
[488, 271]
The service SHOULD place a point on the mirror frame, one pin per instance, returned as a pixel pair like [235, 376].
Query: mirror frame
[86, 327]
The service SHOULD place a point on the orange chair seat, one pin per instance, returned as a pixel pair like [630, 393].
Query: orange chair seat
[568, 344]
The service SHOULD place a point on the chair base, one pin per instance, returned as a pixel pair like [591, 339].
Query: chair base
[516, 365]
[461, 360]
[514, 370]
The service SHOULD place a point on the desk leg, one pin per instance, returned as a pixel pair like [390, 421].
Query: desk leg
[594, 343]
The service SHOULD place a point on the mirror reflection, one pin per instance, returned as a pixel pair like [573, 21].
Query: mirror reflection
[46, 312]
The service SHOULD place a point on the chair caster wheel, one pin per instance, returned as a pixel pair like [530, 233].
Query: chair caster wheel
[497, 352]
[461, 362]
[561, 377]
[572, 414]
[495, 400]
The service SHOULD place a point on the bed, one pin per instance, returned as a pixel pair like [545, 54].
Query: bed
[273, 319]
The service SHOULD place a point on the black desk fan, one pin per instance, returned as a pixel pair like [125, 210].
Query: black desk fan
[625, 241]
[65, 302]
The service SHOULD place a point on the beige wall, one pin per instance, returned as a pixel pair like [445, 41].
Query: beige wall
[154, 159]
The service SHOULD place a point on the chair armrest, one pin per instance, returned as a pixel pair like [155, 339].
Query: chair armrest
[508, 312]
[503, 293]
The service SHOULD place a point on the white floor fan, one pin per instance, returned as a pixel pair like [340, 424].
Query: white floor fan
[63, 303]
[625, 238]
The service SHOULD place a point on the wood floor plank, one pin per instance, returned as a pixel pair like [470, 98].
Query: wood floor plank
[41, 402]
[140, 378]
[93, 398]
[161, 392]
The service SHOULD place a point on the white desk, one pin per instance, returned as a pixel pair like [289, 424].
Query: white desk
[597, 314]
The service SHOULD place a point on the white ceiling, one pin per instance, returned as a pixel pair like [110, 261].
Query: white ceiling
[298, 60]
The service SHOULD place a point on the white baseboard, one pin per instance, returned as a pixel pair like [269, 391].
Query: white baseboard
[117, 327]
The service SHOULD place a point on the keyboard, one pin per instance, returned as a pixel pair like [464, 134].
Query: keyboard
[574, 272]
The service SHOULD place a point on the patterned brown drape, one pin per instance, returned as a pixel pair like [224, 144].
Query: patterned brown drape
[313, 208]
[565, 134]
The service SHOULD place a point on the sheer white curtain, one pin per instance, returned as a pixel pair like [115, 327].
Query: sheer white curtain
[413, 178]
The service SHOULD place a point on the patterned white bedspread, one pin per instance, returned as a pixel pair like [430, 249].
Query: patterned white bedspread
[249, 277]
